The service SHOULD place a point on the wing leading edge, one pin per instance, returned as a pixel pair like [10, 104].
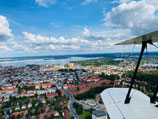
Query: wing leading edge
[153, 36]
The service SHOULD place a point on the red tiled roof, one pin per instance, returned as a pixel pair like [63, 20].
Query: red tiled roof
[62, 103]
[66, 114]
[86, 87]
[7, 89]
[41, 115]
[42, 99]
[49, 114]
[47, 108]
[52, 94]
[45, 84]
[25, 112]
[62, 93]
[23, 91]
[16, 113]
[33, 99]
[56, 113]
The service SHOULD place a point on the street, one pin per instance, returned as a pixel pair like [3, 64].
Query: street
[71, 101]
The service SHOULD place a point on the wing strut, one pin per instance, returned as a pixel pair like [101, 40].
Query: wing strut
[152, 99]
[144, 45]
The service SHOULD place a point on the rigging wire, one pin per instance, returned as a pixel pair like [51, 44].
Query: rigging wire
[119, 63]
[129, 60]
[154, 45]
[147, 57]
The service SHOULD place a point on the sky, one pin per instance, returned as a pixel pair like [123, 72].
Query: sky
[60, 27]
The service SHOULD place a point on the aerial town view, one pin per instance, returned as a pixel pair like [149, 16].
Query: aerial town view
[69, 91]
[78, 59]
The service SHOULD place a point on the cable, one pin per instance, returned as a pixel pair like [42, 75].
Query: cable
[129, 60]
[147, 56]
[154, 45]
[120, 63]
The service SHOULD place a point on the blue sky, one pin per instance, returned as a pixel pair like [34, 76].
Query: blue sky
[56, 27]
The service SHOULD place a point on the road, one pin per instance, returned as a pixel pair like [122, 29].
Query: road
[71, 101]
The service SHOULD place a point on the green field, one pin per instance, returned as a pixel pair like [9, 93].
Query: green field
[84, 114]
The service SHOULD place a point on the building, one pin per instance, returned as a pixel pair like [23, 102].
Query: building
[44, 85]
[99, 114]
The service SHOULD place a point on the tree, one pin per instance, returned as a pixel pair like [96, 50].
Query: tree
[78, 88]
[1, 116]
[27, 115]
[78, 108]
[79, 111]
[36, 95]
[91, 93]
[13, 117]
[102, 74]
[37, 112]
[33, 103]
[58, 91]
[19, 116]
[14, 99]
[45, 117]
[88, 117]
[75, 105]
[40, 103]
[42, 110]
[57, 107]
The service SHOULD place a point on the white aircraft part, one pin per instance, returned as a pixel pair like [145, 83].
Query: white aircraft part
[138, 108]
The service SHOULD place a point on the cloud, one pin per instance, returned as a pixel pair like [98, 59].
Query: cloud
[51, 46]
[6, 48]
[38, 39]
[85, 42]
[138, 16]
[45, 3]
[67, 47]
[5, 31]
[121, 1]
[43, 40]
[18, 47]
[86, 31]
[37, 48]
[86, 2]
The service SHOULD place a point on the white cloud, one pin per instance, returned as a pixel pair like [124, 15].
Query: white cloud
[37, 48]
[138, 16]
[101, 41]
[45, 3]
[51, 46]
[68, 47]
[19, 47]
[38, 39]
[122, 1]
[89, 1]
[5, 31]
[86, 31]
[43, 40]
[6, 48]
